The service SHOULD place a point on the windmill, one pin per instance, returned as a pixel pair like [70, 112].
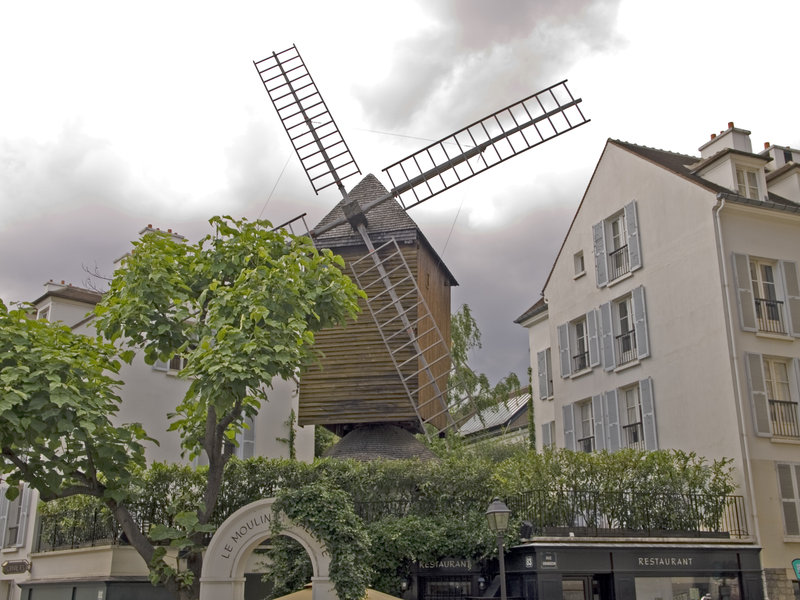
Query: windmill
[404, 316]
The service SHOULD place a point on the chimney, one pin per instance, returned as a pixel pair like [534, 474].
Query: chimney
[732, 138]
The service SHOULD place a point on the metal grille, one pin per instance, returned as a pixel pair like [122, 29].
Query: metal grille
[490, 141]
[314, 135]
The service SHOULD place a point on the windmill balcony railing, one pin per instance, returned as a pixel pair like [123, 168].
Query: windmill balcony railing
[626, 347]
[619, 264]
[770, 316]
[784, 418]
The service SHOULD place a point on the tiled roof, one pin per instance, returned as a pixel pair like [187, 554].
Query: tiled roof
[496, 415]
[71, 292]
[684, 165]
[539, 307]
[387, 217]
[379, 441]
[385, 221]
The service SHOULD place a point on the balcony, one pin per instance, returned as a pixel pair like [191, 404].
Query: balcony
[575, 513]
[586, 444]
[784, 419]
[770, 316]
[633, 435]
[580, 362]
[618, 263]
[626, 347]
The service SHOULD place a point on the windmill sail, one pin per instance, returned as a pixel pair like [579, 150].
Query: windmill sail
[316, 139]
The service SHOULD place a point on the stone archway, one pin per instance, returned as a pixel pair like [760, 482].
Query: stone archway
[222, 577]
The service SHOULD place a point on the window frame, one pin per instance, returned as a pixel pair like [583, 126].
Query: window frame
[773, 417]
[794, 474]
[747, 184]
[607, 241]
[746, 269]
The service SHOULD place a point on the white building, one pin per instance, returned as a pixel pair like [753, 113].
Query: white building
[671, 319]
[148, 394]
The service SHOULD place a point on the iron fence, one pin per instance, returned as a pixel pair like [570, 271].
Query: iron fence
[770, 315]
[784, 418]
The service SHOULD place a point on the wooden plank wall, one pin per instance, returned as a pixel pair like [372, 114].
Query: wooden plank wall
[355, 380]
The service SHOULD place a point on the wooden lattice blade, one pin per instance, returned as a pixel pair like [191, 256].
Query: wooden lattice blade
[484, 144]
[312, 131]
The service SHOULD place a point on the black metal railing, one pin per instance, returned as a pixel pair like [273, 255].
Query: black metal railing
[626, 347]
[634, 436]
[628, 514]
[618, 262]
[78, 529]
[551, 512]
[580, 361]
[783, 415]
[586, 444]
[770, 315]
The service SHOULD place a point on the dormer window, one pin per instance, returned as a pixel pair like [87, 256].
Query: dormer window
[747, 182]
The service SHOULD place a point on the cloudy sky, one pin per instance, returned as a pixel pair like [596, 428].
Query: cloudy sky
[114, 115]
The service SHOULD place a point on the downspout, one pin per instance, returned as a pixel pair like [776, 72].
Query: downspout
[734, 358]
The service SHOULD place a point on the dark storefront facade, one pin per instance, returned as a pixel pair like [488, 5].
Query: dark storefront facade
[603, 571]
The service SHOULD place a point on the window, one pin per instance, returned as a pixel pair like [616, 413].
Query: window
[625, 418]
[773, 388]
[176, 363]
[747, 183]
[578, 345]
[43, 314]
[585, 427]
[246, 439]
[617, 248]
[624, 337]
[633, 430]
[14, 517]
[577, 260]
[768, 295]
[788, 480]
[544, 374]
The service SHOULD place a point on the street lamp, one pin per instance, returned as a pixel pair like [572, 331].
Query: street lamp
[497, 514]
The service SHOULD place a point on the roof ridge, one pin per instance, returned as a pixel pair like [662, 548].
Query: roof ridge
[679, 154]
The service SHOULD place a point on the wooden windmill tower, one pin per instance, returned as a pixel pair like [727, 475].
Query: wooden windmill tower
[393, 365]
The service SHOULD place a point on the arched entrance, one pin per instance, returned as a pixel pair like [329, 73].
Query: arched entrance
[223, 578]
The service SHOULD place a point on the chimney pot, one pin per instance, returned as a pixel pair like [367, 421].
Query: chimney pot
[62, 282]
[149, 225]
[730, 124]
[766, 145]
[169, 230]
[713, 136]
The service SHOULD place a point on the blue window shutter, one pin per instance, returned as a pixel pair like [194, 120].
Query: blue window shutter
[546, 440]
[640, 323]
[541, 373]
[563, 350]
[569, 427]
[600, 256]
[634, 245]
[648, 414]
[792, 294]
[3, 513]
[594, 344]
[757, 390]
[24, 509]
[607, 337]
[744, 292]
[599, 423]
[612, 420]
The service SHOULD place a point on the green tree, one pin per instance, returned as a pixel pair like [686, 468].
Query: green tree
[466, 337]
[240, 306]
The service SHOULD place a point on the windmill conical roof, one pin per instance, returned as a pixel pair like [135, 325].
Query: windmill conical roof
[386, 218]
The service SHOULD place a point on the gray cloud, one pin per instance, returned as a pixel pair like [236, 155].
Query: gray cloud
[481, 56]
